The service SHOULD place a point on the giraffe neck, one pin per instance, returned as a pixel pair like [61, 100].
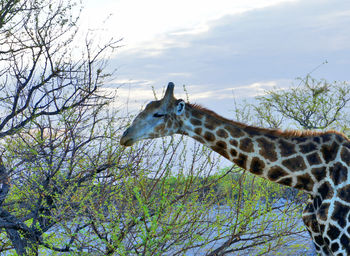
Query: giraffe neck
[288, 158]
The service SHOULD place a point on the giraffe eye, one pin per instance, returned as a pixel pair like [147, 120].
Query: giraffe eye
[158, 115]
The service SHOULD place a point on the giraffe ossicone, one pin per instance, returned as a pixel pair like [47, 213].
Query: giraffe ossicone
[315, 162]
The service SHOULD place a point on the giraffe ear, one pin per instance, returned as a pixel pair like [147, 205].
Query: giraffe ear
[180, 107]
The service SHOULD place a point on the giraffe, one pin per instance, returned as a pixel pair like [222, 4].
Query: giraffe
[315, 162]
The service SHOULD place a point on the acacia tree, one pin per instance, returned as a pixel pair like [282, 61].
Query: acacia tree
[312, 104]
[52, 164]
[45, 74]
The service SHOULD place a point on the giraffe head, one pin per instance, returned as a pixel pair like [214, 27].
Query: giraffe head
[159, 118]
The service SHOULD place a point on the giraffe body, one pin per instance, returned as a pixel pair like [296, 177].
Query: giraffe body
[315, 162]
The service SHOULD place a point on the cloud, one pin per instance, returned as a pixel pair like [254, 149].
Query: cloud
[233, 91]
[138, 21]
[247, 52]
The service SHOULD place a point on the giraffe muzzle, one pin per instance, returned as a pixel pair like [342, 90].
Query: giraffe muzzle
[125, 140]
[126, 143]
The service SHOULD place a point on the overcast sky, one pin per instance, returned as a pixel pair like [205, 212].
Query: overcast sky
[223, 49]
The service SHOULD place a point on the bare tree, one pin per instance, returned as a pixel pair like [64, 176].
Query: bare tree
[45, 74]
[41, 74]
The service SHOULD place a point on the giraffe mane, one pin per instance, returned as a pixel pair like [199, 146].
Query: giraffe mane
[274, 132]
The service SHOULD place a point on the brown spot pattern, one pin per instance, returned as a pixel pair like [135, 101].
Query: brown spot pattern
[304, 182]
[252, 131]
[345, 155]
[344, 193]
[209, 126]
[299, 139]
[246, 145]
[221, 151]
[211, 123]
[198, 131]
[234, 142]
[241, 161]
[326, 190]
[335, 245]
[234, 131]
[272, 137]
[197, 114]
[338, 173]
[222, 133]
[221, 144]
[257, 166]
[286, 148]
[307, 148]
[286, 181]
[310, 220]
[209, 136]
[326, 137]
[340, 213]
[276, 172]
[333, 232]
[339, 138]
[317, 140]
[199, 139]
[329, 152]
[314, 159]
[195, 121]
[294, 164]
[345, 241]
[319, 173]
[322, 212]
[233, 152]
[267, 149]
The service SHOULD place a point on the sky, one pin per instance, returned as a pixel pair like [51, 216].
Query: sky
[221, 50]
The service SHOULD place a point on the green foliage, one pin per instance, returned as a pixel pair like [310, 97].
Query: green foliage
[146, 209]
[312, 104]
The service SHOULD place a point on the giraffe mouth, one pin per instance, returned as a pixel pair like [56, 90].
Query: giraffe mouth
[127, 142]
